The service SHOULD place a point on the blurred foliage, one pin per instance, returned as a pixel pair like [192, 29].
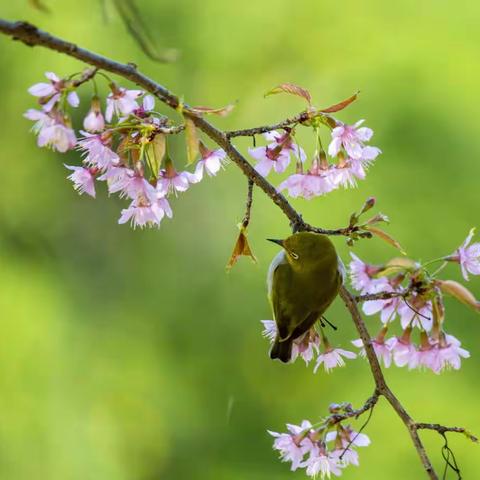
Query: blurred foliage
[131, 355]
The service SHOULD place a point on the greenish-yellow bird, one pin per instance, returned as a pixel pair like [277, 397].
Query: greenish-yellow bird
[303, 280]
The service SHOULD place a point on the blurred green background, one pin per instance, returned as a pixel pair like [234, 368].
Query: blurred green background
[132, 355]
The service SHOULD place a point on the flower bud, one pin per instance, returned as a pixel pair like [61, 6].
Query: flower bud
[94, 121]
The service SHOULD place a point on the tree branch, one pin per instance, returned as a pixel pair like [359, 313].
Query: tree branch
[32, 36]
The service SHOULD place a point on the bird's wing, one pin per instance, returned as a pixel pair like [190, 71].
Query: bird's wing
[285, 304]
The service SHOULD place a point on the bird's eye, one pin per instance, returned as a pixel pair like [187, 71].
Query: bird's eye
[294, 255]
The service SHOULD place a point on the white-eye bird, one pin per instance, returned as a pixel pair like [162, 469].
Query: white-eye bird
[303, 280]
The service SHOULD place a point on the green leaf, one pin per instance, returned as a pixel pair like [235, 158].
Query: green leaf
[191, 138]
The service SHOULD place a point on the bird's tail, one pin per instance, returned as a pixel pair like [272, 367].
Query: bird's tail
[281, 350]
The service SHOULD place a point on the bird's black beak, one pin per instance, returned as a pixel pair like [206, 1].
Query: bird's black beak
[278, 242]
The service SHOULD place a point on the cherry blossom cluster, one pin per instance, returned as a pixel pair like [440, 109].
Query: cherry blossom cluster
[412, 295]
[311, 345]
[350, 159]
[416, 300]
[321, 452]
[126, 147]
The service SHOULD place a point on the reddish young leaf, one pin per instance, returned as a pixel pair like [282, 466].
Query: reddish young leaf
[385, 237]
[292, 89]
[340, 106]
[221, 112]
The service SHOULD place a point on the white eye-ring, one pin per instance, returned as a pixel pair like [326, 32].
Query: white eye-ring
[294, 255]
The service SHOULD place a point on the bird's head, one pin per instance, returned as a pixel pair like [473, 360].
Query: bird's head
[307, 250]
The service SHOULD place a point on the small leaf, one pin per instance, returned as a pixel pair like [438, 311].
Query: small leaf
[221, 112]
[340, 106]
[385, 237]
[378, 218]
[368, 205]
[460, 292]
[292, 89]
[191, 138]
[241, 248]
[395, 265]
[159, 147]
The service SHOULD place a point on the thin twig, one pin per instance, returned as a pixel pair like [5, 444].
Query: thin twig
[248, 204]
[443, 429]
[379, 296]
[349, 412]
[288, 123]
[87, 75]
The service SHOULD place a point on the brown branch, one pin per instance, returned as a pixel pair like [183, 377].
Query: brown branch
[379, 296]
[32, 36]
[441, 429]
[381, 384]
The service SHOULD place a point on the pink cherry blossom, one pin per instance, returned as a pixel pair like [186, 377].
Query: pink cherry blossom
[348, 436]
[97, 152]
[117, 178]
[387, 308]
[171, 181]
[351, 138]
[139, 186]
[276, 155]
[129, 183]
[52, 130]
[294, 445]
[304, 346]
[142, 213]
[404, 352]
[468, 256]
[348, 171]
[323, 463]
[269, 330]
[285, 141]
[382, 349]
[83, 180]
[307, 185]
[416, 311]
[121, 102]
[447, 353]
[50, 93]
[211, 163]
[268, 159]
[94, 121]
[40, 118]
[148, 103]
[346, 456]
[361, 276]
[333, 357]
